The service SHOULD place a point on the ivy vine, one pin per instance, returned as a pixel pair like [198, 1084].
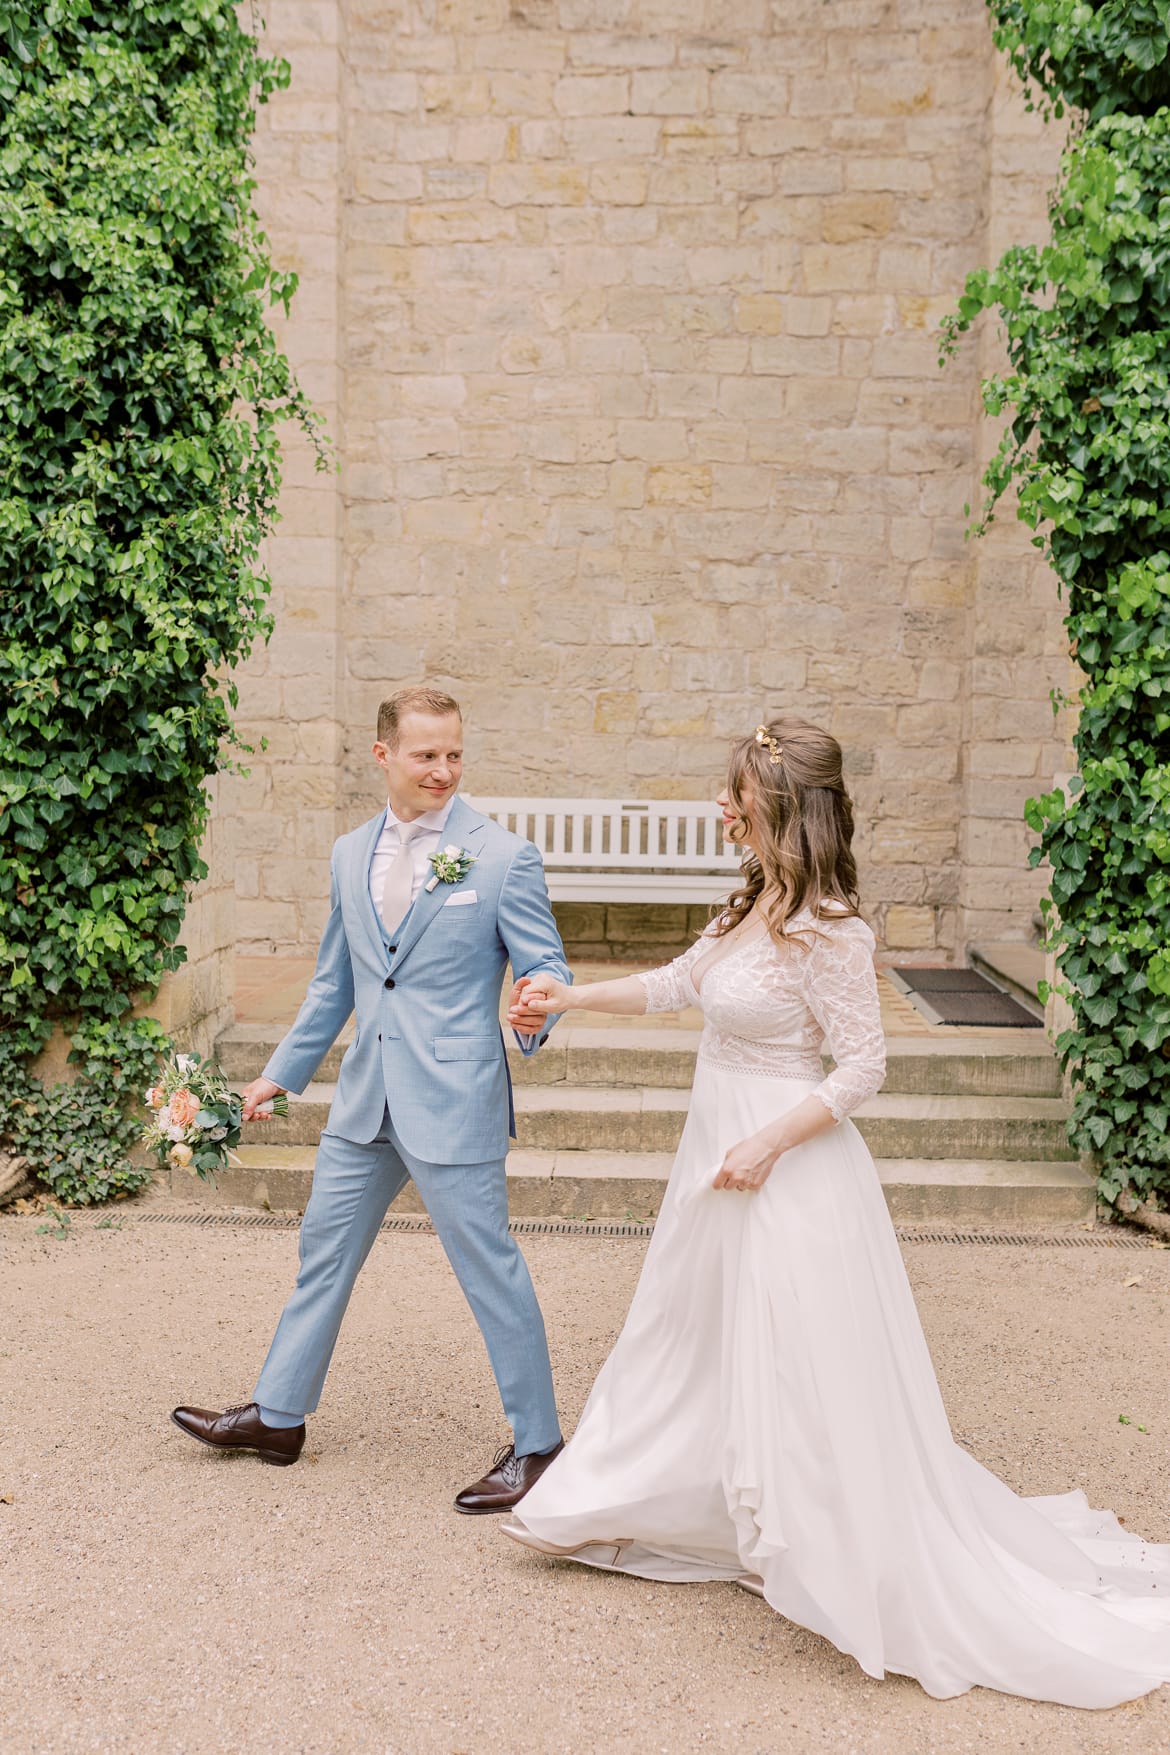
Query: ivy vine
[140, 394]
[1086, 319]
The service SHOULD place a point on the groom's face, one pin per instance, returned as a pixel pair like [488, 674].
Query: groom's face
[425, 765]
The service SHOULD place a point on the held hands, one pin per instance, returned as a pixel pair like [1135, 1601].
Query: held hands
[259, 1092]
[748, 1165]
[533, 998]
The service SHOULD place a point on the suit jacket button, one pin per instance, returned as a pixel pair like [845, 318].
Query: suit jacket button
[393, 948]
[389, 981]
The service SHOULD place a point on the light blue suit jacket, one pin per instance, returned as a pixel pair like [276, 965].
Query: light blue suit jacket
[428, 1040]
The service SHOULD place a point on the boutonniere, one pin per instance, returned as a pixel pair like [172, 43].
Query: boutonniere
[450, 866]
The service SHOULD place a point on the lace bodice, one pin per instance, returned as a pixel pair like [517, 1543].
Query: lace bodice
[769, 1008]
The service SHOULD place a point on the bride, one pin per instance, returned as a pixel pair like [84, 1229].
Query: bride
[769, 1414]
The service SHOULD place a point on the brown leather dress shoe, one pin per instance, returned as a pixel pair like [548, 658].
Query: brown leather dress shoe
[506, 1482]
[242, 1429]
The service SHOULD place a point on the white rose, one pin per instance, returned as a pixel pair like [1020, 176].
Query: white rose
[163, 1119]
[176, 1133]
[181, 1155]
[452, 852]
[186, 1063]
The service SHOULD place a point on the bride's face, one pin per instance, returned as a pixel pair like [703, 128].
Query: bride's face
[737, 828]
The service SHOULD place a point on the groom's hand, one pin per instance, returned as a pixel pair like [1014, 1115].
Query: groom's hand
[520, 1014]
[533, 998]
[260, 1091]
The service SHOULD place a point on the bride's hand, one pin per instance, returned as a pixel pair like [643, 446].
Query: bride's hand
[533, 998]
[748, 1165]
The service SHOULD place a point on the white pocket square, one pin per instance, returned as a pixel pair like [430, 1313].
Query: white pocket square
[460, 899]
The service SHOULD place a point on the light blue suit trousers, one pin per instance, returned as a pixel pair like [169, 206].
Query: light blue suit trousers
[353, 1184]
[423, 1093]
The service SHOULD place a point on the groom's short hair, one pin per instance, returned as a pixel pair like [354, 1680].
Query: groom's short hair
[420, 699]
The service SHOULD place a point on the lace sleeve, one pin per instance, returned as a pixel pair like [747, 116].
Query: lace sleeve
[840, 986]
[666, 988]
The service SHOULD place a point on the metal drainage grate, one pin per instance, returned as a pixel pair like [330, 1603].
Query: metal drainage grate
[1109, 1237]
[960, 996]
[401, 1222]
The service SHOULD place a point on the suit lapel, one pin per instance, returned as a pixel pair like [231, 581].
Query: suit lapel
[360, 878]
[464, 829]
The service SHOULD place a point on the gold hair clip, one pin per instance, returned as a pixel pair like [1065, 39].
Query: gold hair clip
[764, 737]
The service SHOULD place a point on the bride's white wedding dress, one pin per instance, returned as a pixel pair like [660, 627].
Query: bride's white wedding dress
[770, 1408]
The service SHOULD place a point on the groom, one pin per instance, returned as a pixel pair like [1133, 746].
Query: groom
[429, 901]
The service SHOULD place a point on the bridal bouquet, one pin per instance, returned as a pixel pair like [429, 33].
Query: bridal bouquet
[194, 1118]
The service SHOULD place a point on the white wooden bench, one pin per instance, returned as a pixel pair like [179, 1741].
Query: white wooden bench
[617, 850]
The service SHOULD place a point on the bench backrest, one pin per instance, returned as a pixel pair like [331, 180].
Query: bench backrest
[605, 834]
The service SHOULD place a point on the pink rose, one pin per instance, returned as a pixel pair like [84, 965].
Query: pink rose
[156, 1097]
[184, 1108]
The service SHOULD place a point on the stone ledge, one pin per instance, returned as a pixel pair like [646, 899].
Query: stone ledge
[631, 1186]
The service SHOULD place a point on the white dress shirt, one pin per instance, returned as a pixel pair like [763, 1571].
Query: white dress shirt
[426, 835]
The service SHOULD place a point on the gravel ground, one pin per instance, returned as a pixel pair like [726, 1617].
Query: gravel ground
[157, 1598]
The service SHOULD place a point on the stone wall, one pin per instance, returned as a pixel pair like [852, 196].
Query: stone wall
[196, 1002]
[1014, 744]
[291, 693]
[624, 315]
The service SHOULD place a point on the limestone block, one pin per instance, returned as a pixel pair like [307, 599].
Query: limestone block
[595, 48]
[939, 680]
[845, 218]
[518, 94]
[266, 921]
[380, 93]
[531, 51]
[837, 267]
[256, 830]
[481, 141]
[305, 116]
[621, 183]
[598, 94]
[689, 184]
[589, 139]
[931, 761]
[741, 485]
[907, 929]
[903, 176]
[657, 441]
[752, 400]
[850, 535]
[537, 184]
[751, 94]
[471, 17]
[707, 137]
[669, 92]
[1008, 758]
[455, 95]
[580, 923]
[615, 710]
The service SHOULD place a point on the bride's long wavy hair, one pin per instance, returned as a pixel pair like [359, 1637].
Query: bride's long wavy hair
[802, 819]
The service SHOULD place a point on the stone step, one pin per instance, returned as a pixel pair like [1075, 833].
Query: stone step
[650, 1119]
[1007, 1063]
[630, 1185]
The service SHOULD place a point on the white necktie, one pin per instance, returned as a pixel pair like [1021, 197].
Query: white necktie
[398, 892]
